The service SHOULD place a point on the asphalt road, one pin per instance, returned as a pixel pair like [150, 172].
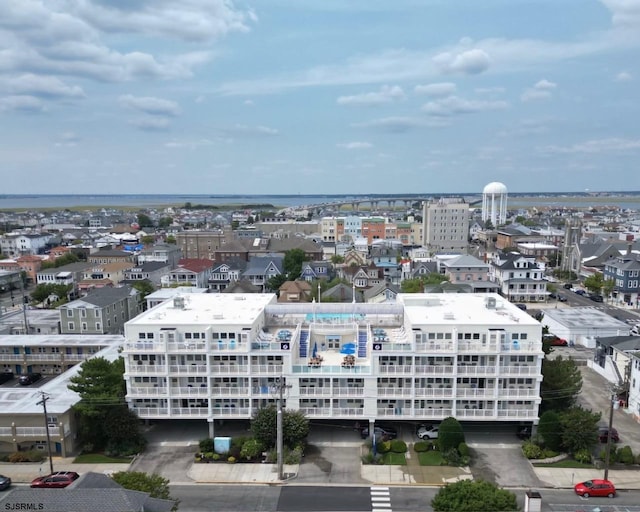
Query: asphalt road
[240, 498]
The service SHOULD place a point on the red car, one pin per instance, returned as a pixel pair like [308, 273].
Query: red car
[55, 480]
[595, 488]
[554, 341]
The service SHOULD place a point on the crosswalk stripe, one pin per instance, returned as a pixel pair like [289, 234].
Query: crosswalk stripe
[380, 499]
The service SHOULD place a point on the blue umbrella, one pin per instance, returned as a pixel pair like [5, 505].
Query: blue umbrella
[348, 350]
[315, 350]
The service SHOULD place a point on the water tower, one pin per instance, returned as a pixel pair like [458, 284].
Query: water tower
[494, 203]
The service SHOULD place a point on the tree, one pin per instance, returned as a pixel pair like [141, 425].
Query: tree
[450, 434]
[295, 427]
[274, 283]
[145, 287]
[293, 261]
[123, 432]
[154, 484]
[579, 429]
[65, 259]
[165, 222]
[148, 240]
[43, 291]
[594, 283]
[608, 286]
[561, 383]
[417, 284]
[170, 239]
[473, 496]
[144, 221]
[336, 259]
[550, 430]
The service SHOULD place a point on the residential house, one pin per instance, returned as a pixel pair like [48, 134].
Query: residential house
[470, 271]
[633, 404]
[315, 270]
[70, 274]
[189, 272]
[263, 268]
[364, 276]
[226, 273]
[242, 286]
[386, 257]
[625, 272]
[520, 278]
[199, 245]
[104, 275]
[294, 291]
[341, 293]
[161, 252]
[151, 271]
[235, 250]
[105, 256]
[13, 245]
[612, 360]
[510, 236]
[382, 292]
[102, 311]
[30, 265]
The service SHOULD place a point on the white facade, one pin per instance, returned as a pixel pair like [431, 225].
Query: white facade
[633, 405]
[494, 203]
[425, 357]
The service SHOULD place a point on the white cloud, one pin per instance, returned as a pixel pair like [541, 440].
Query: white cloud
[68, 140]
[611, 144]
[625, 13]
[469, 62]
[150, 105]
[436, 89]
[400, 124]
[489, 90]
[454, 105]
[248, 103]
[355, 145]
[386, 94]
[150, 123]
[29, 104]
[42, 86]
[243, 130]
[624, 76]
[540, 91]
[188, 144]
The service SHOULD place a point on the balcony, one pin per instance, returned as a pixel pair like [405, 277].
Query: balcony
[517, 414]
[436, 347]
[37, 431]
[522, 346]
[433, 412]
[476, 370]
[348, 391]
[475, 413]
[76, 357]
[230, 391]
[396, 412]
[134, 348]
[387, 346]
[395, 392]
[308, 391]
[269, 369]
[316, 412]
[193, 412]
[201, 390]
[230, 369]
[226, 346]
[518, 393]
[151, 412]
[477, 347]
[519, 370]
[43, 357]
[428, 392]
[187, 346]
[189, 369]
[230, 412]
[393, 369]
[475, 392]
[12, 357]
[350, 412]
[147, 391]
[334, 370]
[438, 369]
[6, 432]
[147, 369]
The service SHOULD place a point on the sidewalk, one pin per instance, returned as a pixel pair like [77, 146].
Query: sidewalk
[25, 472]
[561, 478]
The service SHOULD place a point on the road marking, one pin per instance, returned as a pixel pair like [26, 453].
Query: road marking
[380, 499]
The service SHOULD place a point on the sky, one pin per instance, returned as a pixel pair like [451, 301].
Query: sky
[318, 96]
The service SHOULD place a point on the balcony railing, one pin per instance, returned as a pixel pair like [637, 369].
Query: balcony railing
[475, 413]
[347, 411]
[43, 357]
[434, 393]
[348, 391]
[397, 412]
[402, 369]
[36, 431]
[434, 369]
[189, 369]
[387, 346]
[395, 391]
[432, 412]
[436, 347]
[334, 370]
[518, 393]
[232, 391]
[201, 412]
[475, 392]
[147, 369]
[187, 346]
[316, 411]
[151, 412]
[476, 370]
[271, 369]
[12, 357]
[521, 346]
[147, 391]
[6, 432]
[324, 391]
[477, 346]
[519, 370]
[517, 413]
[76, 357]
[234, 369]
[201, 390]
[230, 411]
[144, 347]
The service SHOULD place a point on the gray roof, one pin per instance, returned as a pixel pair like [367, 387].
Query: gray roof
[78, 266]
[622, 343]
[106, 296]
[258, 265]
[465, 260]
[148, 266]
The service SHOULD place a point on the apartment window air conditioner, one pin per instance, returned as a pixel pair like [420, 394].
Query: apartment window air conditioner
[52, 425]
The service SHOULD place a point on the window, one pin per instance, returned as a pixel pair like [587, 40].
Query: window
[98, 326]
[69, 313]
[83, 313]
[84, 326]
[71, 326]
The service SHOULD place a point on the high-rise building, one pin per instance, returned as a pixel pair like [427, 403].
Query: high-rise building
[446, 224]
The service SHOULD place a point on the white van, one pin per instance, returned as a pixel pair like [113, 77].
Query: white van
[635, 330]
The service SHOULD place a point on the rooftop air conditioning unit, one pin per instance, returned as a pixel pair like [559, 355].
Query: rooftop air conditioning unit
[490, 302]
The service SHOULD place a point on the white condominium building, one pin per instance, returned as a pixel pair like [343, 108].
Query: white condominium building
[426, 357]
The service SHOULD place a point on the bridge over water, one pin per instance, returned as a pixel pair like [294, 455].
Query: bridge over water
[376, 203]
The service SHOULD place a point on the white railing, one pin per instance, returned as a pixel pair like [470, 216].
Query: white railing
[224, 346]
[396, 411]
[144, 347]
[348, 391]
[443, 346]
[153, 412]
[186, 346]
[432, 369]
[147, 369]
[434, 392]
[189, 369]
[396, 369]
[433, 412]
[476, 392]
[265, 345]
[43, 357]
[521, 346]
[230, 411]
[388, 346]
[228, 369]
[306, 391]
[76, 357]
[239, 391]
[477, 346]
[347, 411]
[12, 357]
[190, 411]
[147, 391]
[273, 369]
[517, 393]
[6, 432]
[391, 391]
[190, 391]
[518, 370]
[36, 431]
[475, 413]
[316, 411]
[517, 413]
[476, 370]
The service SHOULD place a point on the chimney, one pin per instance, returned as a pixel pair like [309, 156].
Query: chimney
[629, 244]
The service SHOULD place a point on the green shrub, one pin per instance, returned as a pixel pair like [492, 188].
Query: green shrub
[238, 442]
[531, 451]
[370, 458]
[463, 450]
[583, 456]
[231, 459]
[452, 457]
[293, 456]
[208, 455]
[422, 446]
[30, 456]
[612, 454]
[383, 446]
[251, 449]
[450, 434]
[206, 445]
[215, 456]
[625, 455]
[398, 446]
[548, 454]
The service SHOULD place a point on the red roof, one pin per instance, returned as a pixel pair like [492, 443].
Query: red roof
[195, 265]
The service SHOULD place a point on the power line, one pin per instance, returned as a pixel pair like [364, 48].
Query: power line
[43, 402]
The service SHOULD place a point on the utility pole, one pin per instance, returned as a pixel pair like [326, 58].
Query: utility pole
[278, 388]
[608, 448]
[24, 305]
[43, 402]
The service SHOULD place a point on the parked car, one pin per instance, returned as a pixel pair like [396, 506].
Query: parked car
[580, 292]
[381, 433]
[29, 378]
[553, 340]
[595, 488]
[523, 307]
[55, 480]
[5, 482]
[596, 298]
[567, 286]
[603, 434]
[524, 432]
[562, 298]
[553, 296]
[427, 431]
[6, 377]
